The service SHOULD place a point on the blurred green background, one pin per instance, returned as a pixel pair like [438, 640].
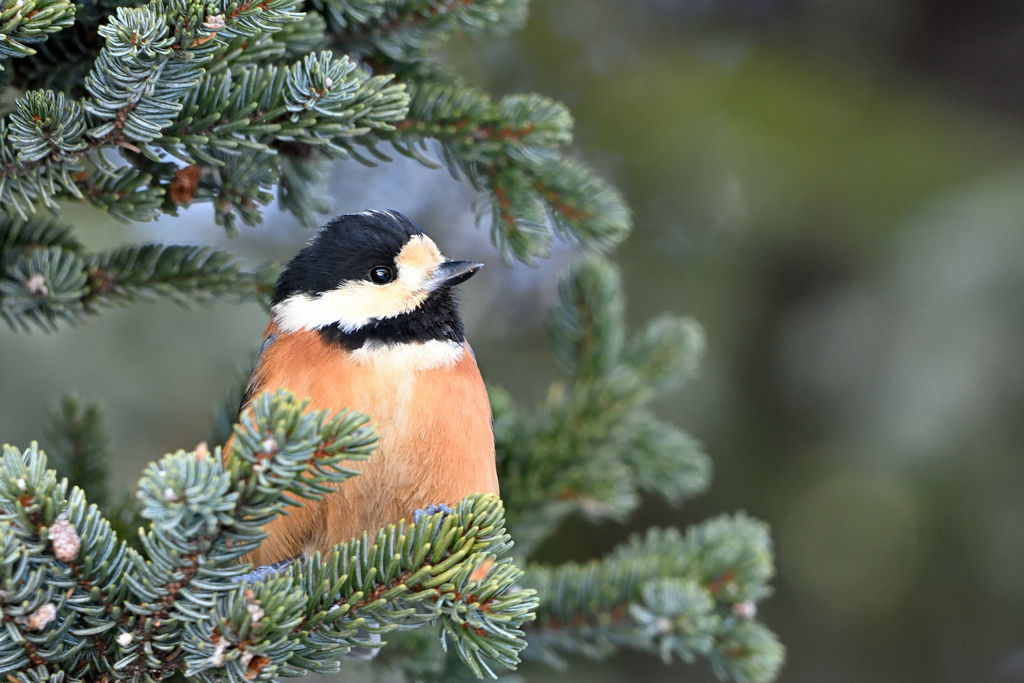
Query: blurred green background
[835, 189]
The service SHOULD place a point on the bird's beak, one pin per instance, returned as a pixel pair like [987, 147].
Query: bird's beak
[451, 273]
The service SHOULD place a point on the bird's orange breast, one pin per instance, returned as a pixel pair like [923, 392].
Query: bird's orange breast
[436, 444]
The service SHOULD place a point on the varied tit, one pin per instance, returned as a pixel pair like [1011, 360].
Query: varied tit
[365, 318]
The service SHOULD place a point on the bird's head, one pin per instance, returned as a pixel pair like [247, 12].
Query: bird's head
[372, 276]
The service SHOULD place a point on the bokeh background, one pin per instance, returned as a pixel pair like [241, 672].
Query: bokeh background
[835, 189]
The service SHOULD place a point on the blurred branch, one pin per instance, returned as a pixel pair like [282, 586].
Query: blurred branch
[594, 443]
[674, 595]
[81, 447]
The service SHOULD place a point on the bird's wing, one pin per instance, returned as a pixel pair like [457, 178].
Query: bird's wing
[473, 354]
[251, 386]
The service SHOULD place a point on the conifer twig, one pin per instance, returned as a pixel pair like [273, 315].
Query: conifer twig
[594, 444]
[47, 277]
[673, 594]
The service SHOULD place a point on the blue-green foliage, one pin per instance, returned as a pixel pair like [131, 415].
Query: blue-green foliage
[49, 125]
[144, 95]
[404, 29]
[27, 22]
[510, 150]
[80, 601]
[47, 277]
[177, 81]
[595, 443]
[42, 287]
[674, 594]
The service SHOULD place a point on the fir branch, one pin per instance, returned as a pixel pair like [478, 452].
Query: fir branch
[24, 184]
[92, 13]
[61, 65]
[145, 96]
[81, 447]
[302, 37]
[46, 277]
[25, 22]
[206, 515]
[220, 102]
[39, 675]
[189, 84]
[318, 100]
[594, 444]
[61, 590]
[44, 286]
[584, 210]
[77, 599]
[406, 576]
[19, 237]
[302, 186]
[675, 595]
[403, 29]
[125, 193]
[154, 56]
[666, 353]
[238, 186]
[47, 125]
[81, 454]
[665, 460]
[182, 274]
[510, 152]
[587, 327]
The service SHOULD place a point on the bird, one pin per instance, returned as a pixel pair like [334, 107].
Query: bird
[365, 318]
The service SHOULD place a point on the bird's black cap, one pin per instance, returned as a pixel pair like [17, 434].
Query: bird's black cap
[345, 249]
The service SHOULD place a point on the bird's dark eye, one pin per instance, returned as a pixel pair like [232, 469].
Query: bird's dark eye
[381, 275]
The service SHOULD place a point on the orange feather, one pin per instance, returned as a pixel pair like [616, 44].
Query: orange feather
[436, 444]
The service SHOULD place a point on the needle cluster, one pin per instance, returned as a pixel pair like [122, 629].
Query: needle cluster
[80, 603]
[47, 277]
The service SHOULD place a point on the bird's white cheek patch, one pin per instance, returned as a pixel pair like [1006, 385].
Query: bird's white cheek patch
[356, 303]
[410, 356]
[351, 306]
